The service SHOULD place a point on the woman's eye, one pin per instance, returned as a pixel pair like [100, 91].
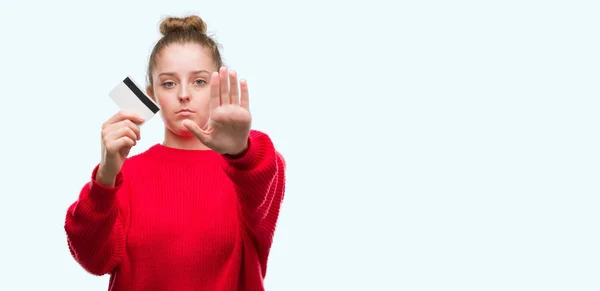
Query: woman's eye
[168, 84]
[200, 82]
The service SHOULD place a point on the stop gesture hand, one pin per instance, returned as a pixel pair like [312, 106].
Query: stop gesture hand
[230, 120]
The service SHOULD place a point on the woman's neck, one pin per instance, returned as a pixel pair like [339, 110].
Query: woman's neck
[190, 142]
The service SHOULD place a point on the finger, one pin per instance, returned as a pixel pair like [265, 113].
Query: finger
[124, 124]
[196, 131]
[119, 144]
[123, 115]
[119, 133]
[214, 101]
[244, 99]
[233, 88]
[224, 88]
[134, 127]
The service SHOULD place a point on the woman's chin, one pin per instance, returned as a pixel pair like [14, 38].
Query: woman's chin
[176, 126]
[185, 133]
[180, 130]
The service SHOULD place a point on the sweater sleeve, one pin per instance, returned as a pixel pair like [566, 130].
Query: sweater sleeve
[259, 179]
[95, 226]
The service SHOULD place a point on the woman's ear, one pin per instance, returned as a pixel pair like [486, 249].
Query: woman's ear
[150, 92]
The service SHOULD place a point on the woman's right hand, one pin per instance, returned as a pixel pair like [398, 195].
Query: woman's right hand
[119, 134]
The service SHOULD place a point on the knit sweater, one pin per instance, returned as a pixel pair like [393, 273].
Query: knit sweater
[181, 220]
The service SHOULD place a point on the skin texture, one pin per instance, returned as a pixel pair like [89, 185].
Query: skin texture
[184, 78]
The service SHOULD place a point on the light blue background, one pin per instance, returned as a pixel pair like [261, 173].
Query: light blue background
[431, 145]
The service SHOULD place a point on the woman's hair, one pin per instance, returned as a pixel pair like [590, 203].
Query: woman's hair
[190, 29]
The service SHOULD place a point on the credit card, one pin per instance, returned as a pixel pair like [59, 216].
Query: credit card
[129, 97]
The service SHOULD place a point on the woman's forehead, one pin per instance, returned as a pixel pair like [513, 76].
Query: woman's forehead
[185, 57]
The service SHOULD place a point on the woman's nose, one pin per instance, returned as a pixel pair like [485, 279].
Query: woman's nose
[184, 95]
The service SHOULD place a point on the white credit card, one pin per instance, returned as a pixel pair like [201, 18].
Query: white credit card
[130, 97]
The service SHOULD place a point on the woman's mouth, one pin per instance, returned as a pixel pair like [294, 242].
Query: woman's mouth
[184, 112]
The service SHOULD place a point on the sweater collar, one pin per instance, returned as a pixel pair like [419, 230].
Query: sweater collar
[170, 153]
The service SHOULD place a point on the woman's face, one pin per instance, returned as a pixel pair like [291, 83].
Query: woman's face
[181, 87]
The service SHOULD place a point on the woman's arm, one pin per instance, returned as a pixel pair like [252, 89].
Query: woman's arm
[95, 226]
[259, 178]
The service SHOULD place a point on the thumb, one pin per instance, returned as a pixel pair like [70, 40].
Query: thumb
[195, 130]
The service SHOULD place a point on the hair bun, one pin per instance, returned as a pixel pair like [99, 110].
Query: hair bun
[189, 23]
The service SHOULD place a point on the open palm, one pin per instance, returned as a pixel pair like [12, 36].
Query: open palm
[230, 120]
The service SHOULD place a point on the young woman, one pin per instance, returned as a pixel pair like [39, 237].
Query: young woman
[197, 212]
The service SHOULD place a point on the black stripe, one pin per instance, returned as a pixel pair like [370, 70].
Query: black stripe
[140, 95]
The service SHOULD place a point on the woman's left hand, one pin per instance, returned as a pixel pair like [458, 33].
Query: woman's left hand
[230, 120]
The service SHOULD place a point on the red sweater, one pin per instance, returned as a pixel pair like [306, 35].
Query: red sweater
[181, 220]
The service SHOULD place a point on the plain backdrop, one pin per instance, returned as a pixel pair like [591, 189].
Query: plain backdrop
[430, 145]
